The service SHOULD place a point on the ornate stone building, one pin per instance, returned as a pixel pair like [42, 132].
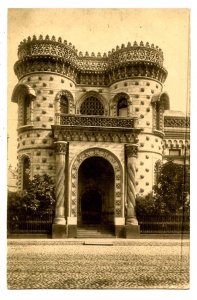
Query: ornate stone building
[99, 125]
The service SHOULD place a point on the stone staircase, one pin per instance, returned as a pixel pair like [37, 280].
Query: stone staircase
[95, 231]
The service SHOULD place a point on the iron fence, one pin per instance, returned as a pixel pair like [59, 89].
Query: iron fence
[164, 224]
[41, 222]
[29, 221]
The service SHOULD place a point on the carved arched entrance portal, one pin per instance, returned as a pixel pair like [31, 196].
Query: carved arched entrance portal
[97, 161]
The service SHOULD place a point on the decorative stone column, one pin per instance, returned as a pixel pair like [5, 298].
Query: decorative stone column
[131, 228]
[59, 222]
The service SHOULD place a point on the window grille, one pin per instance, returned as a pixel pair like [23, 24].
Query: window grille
[92, 106]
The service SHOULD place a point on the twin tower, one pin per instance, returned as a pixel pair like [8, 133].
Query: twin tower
[95, 123]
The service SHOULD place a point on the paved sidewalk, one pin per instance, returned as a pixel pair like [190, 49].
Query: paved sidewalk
[55, 264]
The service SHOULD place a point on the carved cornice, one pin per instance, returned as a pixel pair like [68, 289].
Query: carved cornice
[131, 150]
[45, 54]
[61, 147]
[88, 135]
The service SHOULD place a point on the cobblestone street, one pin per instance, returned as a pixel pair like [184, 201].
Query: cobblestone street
[55, 264]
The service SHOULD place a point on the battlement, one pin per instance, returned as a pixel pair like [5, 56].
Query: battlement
[42, 50]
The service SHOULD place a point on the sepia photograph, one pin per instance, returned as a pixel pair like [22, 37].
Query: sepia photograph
[98, 148]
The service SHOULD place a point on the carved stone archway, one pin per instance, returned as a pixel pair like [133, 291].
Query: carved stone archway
[118, 184]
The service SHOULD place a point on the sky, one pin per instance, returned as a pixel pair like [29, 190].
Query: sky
[100, 30]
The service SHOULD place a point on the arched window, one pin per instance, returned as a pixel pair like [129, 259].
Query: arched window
[25, 172]
[26, 110]
[160, 103]
[24, 95]
[91, 106]
[122, 107]
[63, 105]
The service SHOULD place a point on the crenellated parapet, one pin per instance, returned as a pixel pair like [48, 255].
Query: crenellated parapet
[51, 55]
[137, 53]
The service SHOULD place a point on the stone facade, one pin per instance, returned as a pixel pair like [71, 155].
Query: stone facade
[77, 112]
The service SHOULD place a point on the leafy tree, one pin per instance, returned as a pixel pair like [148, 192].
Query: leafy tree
[170, 195]
[145, 205]
[16, 200]
[39, 195]
[171, 192]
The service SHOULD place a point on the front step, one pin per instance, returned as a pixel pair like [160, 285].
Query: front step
[91, 231]
[94, 243]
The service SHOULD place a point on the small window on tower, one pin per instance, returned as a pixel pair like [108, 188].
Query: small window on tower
[122, 107]
[26, 110]
[64, 105]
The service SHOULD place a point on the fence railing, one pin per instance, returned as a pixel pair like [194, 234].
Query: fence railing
[164, 224]
[29, 222]
[41, 222]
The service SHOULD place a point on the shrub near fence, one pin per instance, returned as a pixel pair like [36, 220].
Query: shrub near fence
[28, 221]
[164, 223]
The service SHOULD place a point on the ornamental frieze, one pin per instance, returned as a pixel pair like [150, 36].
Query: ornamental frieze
[176, 143]
[47, 46]
[176, 122]
[90, 136]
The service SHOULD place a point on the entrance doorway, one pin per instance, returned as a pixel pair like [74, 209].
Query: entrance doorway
[91, 207]
[96, 192]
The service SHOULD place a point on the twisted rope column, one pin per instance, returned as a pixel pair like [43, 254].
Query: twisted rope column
[131, 154]
[61, 150]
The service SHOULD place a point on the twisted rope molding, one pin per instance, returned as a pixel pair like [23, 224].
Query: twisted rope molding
[131, 194]
[131, 153]
[61, 149]
[59, 190]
